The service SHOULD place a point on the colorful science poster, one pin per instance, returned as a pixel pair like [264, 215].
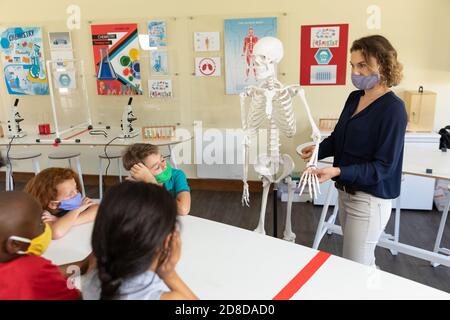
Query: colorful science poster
[159, 65]
[206, 41]
[23, 61]
[157, 33]
[240, 38]
[207, 66]
[160, 88]
[323, 54]
[116, 58]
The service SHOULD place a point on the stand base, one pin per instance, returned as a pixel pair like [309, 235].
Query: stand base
[20, 134]
[131, 134]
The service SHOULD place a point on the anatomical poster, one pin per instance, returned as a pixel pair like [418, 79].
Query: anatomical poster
[207, 66]
[23, 61]
[323, 54]
[240, 37]
[206, 41]
[116, 58]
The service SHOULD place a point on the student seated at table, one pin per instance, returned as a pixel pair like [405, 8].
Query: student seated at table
[137, 246]
[24, 274]
[58, 191]
[146, 164]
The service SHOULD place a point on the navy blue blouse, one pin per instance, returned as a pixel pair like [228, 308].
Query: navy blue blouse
[368, 148]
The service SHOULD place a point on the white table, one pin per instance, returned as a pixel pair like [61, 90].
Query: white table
[416, 161]
[81, 137]
[224, 262]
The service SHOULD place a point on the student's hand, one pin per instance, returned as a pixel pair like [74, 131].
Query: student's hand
[171, 255]
[327, 173]
[140, 172]
[307, 153]
[47, 217]
[86, 203]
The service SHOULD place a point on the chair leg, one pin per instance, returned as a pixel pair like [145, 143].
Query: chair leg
[36, 166]
[119, 163]
[8, 177]
[70, 163]
[80, 175]
[100, 179]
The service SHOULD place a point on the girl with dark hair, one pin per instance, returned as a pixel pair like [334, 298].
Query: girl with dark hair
[137, 246]
[367, 146]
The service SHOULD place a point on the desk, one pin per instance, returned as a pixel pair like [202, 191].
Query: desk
[219, 261]
[415, 162]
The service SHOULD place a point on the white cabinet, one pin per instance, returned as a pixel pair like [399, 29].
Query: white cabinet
[417, 192]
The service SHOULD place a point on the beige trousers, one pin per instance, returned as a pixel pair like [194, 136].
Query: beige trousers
[363, 218]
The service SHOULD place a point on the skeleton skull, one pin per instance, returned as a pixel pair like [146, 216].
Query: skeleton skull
[268, 51]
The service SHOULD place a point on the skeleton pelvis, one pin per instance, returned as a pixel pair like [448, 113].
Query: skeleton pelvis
[274, 170]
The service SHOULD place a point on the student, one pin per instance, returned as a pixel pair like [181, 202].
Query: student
[137, 246]
[24, 274]
[57, 190]
[145, 163]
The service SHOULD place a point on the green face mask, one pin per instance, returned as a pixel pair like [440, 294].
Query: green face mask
[165, 175]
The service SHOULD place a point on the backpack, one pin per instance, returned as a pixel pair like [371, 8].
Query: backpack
[444, 142]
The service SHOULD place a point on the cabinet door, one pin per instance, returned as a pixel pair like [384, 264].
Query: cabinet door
[421, 112]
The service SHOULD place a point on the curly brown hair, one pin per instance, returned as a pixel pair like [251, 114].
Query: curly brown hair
[136, 153]
[381, 49]
[43, 185]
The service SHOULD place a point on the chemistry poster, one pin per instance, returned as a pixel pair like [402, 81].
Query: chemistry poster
[323, 54]
[23, 61]
[116, 58]
[240, 37]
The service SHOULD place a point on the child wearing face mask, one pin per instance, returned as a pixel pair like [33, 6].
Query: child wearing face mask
[24, 274]
[57, 190]
[146, 164]
[137, 246]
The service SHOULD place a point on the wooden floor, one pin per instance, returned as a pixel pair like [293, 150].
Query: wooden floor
[417, 228]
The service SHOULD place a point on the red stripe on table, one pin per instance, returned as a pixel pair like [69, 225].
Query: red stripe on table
[302, 277]
[76, 134]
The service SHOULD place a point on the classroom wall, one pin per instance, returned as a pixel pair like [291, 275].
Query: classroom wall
[419, 29]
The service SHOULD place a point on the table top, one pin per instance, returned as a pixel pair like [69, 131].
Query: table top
[223, 262]
[87, 139]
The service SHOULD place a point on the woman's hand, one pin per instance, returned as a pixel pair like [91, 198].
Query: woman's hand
[171, 255]
[327, 173]
[140, 172]
[307, 153]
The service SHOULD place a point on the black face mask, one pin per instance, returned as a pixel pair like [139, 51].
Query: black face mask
[444, 142]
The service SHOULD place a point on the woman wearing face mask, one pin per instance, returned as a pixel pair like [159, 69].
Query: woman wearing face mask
[367, 146]
[57, 190]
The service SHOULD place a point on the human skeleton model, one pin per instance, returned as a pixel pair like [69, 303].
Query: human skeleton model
[249, 43]
[272, 100]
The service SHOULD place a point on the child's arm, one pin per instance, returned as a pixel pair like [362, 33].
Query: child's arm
[183, 203]
[179, 290]
[85, 265]
[62, 225]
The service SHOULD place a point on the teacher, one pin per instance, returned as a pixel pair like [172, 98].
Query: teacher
[367, 146]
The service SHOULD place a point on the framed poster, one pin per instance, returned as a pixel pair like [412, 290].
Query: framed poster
[60, 41]
[160, 88]
[116, 59]
[23, 61]
[206, 41]
[159, 65]
[323, 54]
[240, 37]
[157, 33]
[207, 66]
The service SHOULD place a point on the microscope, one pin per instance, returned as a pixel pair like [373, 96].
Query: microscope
[14, 129]
[126, 124]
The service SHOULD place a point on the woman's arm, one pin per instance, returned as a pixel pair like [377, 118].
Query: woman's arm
[184, 203]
